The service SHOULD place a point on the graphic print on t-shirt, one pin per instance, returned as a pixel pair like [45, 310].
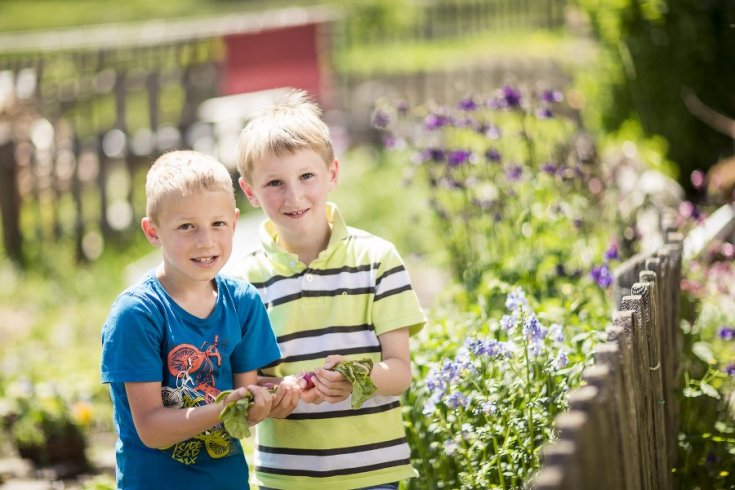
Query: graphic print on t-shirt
[193, 369]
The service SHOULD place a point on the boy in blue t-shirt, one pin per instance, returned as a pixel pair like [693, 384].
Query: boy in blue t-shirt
[182, 335]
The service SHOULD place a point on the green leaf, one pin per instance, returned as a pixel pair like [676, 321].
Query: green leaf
[709, 390]
[690, 392]
[358, 373]
[702, 350]
[235, 416]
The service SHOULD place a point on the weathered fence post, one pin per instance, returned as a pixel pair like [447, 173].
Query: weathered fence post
[10, 202]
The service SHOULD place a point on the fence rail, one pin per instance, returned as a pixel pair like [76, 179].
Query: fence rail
[622, 425]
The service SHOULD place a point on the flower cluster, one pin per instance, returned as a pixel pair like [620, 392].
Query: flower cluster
[602, 274]
[495, 399]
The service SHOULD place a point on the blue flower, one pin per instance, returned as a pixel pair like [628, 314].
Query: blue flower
[450, 447]
[488, 407]
[533, 330]
[507, 322]
[515, 299]
[433, 155]
[544, 113]
[549, 168]
[560, 361]
[556, 332]
[456, 400]
[730, 369]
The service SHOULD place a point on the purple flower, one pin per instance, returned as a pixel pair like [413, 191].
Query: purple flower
[458, 157]
[551, 96]
[492, 155]
[544, 113]
[433, 155]
[533, 330]
[380, 119]
[456, 400]
[511, 96]
[730, 369]
[602, 276]
[549, 168]
[560, 361]
[612, 252]
[467, 104]
[515, 299]
[726, 333]
[436, 121]
[514, 173]
[556, 332]
[507, 322]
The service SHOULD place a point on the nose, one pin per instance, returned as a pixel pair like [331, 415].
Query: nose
[205, 238]
[292, 194]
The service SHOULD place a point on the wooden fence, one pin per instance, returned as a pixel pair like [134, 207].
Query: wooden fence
[622, 426]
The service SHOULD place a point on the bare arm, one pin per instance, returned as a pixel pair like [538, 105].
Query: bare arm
[160, 426]
[391, 376]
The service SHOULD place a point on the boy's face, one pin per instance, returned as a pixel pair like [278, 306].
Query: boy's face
[194, 233]
[293, 191]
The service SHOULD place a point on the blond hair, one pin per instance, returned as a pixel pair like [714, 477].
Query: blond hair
[182, 173]
[291, 124]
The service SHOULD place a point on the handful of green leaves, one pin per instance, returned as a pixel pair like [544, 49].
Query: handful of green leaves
[357, 372]
[235, 414]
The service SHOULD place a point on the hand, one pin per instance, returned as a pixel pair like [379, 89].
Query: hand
[262, 402]
[331, 385]
[286, 398]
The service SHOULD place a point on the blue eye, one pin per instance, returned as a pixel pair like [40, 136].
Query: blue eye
[307, 175]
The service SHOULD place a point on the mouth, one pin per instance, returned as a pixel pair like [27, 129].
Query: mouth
[205, 260]
[297, 214]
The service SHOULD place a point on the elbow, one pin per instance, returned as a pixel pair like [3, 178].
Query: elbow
[152, 439]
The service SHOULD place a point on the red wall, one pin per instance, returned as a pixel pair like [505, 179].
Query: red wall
[287, 57]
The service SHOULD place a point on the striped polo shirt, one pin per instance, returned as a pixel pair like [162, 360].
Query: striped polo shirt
[354, 291]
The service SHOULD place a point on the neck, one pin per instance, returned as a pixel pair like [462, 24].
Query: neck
[196, 297]
[306, 248]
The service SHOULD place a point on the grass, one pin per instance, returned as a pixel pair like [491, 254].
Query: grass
[23, 15]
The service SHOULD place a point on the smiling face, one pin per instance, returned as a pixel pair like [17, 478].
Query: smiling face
[195, 234]
[293, 190]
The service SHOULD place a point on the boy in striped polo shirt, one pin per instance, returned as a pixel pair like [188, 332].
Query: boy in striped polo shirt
[332, 293]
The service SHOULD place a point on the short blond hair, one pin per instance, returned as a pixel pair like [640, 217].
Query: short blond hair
[182, 173]
[291, 124]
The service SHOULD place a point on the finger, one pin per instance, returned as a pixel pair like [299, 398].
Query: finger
[332, 360]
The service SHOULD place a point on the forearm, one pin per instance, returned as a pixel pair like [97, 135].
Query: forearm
[391, 376]
[163, 427]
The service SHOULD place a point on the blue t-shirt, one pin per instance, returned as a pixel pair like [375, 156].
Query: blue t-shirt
[148, 337]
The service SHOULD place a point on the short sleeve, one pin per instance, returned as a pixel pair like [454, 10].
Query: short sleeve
[258, 347]
[131, 342]
[395, 304]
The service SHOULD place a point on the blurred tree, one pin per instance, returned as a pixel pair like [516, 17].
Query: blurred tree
[663, 50]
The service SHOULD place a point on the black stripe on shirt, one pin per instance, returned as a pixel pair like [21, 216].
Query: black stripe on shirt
[323, 354]
[344, 413]
[391, 292]
[389, 272]
[317, 294]
[317, 272]
[332, 452]
[339, 472]
[325, 331]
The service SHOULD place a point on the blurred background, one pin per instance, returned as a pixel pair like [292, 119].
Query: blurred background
[92, 91]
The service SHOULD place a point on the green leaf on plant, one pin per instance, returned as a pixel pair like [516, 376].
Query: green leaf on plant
[702, 350]
[690, 392]
[358, 373]
[709, 390]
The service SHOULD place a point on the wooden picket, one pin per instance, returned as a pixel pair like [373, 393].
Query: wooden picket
[621, 427]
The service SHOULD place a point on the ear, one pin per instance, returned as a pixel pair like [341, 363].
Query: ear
[334, 173]
[248, 192]
[150, 232]
[234, 223]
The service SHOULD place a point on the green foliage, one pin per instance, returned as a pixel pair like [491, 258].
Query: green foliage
[707, 397]
[655, 50]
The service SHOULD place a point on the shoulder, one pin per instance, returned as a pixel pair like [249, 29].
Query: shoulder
[141, 298]
[367, 246]
[252, 267]
[236, 286]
